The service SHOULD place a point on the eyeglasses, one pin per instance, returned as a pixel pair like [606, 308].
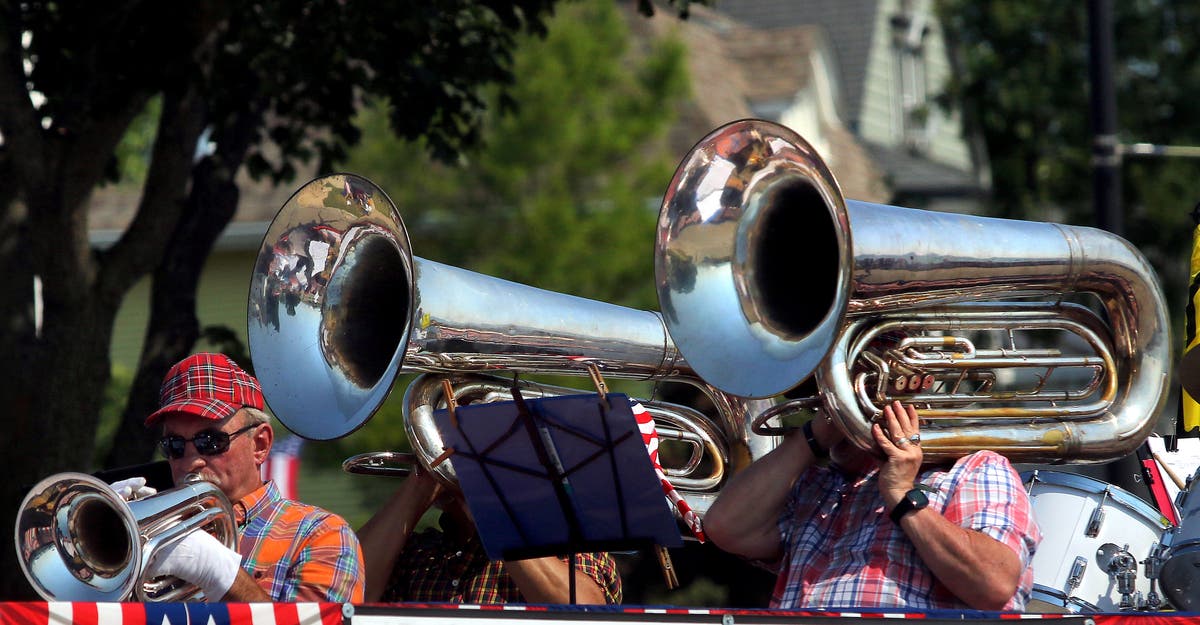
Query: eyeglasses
[207, 443]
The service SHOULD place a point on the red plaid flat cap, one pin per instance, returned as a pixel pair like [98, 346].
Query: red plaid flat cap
[207, 385]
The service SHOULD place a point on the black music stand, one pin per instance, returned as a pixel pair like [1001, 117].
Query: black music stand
[557, 476]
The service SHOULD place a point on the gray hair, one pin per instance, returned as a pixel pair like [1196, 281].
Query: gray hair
[254, 416]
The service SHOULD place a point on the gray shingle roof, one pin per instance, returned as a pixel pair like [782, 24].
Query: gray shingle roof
[848, 24]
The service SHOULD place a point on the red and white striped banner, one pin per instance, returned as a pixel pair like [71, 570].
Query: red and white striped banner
[86, 613]
[650, 437]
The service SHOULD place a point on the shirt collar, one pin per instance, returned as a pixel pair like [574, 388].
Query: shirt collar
[250, 505]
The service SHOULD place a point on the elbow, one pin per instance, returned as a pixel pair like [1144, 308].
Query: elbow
[995, 594]
[717, 527]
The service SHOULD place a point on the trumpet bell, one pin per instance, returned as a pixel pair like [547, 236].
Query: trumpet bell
[77, 540]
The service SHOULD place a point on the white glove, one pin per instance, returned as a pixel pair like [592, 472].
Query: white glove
[133, 488]
[198, 558]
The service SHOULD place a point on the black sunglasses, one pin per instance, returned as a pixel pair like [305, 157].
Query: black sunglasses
[207, 443]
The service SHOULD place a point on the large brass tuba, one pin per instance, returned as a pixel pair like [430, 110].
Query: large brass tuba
[339, 307]
[77, 540]
[766, 274]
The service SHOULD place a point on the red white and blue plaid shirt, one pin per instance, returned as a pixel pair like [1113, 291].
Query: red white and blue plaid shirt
[842, 550]
[298, 552]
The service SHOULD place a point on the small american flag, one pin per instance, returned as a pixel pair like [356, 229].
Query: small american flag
[283, 466]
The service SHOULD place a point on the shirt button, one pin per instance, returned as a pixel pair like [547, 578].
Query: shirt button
[454, 583]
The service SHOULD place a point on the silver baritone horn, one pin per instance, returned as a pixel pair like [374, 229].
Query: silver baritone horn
[78, 540]
[766, 274]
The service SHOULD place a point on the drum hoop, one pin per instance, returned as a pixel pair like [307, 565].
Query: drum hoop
[1057, 598]
[1095, 487]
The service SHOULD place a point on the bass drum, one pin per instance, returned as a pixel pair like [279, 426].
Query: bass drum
[1095, 539]
[1180, 577]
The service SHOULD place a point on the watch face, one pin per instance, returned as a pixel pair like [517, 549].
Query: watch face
[918, 498]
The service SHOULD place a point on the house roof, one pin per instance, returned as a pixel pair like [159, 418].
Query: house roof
[849, 25]
[738, 70]
[917, 175]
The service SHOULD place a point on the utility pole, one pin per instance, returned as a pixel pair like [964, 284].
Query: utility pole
[1106, 149]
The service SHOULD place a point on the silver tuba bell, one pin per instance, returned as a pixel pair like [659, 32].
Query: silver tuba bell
[766, 274]
[77, 540]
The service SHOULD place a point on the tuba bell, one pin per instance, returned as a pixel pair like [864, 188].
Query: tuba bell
[757, 249]
[339, 306]
[77, 540]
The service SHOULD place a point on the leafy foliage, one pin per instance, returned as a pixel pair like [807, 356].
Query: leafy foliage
[1022, 81]
[563, 192]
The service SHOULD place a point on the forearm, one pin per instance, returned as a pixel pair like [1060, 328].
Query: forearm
[383, 537]
[244, 590]
[743, 520]
[547, 580]
[978, 569]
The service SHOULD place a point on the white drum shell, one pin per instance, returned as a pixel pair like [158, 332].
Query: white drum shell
[1064, 505]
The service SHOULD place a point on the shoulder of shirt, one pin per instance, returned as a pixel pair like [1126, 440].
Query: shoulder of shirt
[315, 515]
[980, 458]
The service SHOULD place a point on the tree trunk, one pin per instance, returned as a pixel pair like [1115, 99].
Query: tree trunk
[173, 326]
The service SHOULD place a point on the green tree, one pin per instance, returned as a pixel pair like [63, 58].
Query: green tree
[563, 192]
[273, 83]
[1022, 83]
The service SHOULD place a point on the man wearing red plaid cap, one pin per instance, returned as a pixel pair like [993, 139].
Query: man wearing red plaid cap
[213, 424]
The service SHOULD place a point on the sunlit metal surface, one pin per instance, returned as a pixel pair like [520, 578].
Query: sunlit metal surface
[328, 336]
[77, 540]
[752, 267]
[697, 476]
[767, 275]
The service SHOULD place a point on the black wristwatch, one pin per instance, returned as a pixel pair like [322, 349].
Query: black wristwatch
[914, 499]
[818, 452]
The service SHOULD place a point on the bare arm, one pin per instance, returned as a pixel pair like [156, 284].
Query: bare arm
[245, 590]
[978, 569]
[743, 520]
[546, 580]
[383, 536]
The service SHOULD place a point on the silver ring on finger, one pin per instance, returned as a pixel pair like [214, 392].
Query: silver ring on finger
[915, 439]
[900, 441]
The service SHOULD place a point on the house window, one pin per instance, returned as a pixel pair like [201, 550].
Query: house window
[911, 106]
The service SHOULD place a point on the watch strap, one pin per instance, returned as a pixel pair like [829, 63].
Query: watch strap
[818, 452]
[914, 500]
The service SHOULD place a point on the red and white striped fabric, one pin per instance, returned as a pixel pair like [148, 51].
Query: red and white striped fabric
[650, 437]
[283, 466]
[84, 613]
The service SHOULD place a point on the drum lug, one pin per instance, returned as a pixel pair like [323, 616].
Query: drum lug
[1077, 571]
[1097, 520]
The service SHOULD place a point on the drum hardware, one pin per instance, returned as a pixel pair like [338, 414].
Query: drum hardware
[1153, 566]
[1077, 571]
[1097, 520]
[1121, 566]
[1095, 535]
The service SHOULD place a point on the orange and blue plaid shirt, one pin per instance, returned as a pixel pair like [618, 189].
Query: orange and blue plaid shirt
[298, 552]
[434, 569]
[841, 549]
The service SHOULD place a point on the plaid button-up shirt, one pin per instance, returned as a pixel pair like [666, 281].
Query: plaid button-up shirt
[298, 552]
[841, 549]
[433, 569]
